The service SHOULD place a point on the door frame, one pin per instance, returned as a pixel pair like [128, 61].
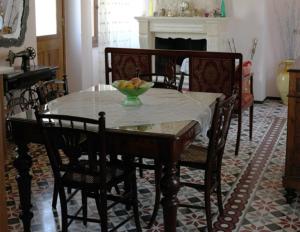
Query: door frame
[3, 151]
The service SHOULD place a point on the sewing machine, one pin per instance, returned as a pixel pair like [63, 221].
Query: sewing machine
[26, 55]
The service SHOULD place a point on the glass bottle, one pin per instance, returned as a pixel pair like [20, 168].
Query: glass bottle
[223, 9]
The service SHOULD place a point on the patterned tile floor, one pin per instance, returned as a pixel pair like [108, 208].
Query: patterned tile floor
[251, 185]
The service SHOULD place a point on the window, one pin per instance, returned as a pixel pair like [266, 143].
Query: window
[94, 22]
[45, 17]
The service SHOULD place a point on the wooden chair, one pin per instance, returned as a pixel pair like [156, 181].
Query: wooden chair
[209, 159]
[46, 92]
[220, 73]
[86, 168]
[50, 90]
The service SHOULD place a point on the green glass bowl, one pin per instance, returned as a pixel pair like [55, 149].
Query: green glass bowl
[132, 94]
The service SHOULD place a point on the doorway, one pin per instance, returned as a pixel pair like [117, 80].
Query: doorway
[50, 34]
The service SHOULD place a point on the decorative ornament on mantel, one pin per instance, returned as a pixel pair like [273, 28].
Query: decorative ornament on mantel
[187, 8]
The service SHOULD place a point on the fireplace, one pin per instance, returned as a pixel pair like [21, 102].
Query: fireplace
[177, 44]
[213, 30]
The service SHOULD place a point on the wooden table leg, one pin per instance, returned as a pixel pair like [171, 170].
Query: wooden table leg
[290, 195]
[170, 187]
[23, 164]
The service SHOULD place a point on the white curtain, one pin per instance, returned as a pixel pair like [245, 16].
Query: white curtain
[117, 26]
[288, 21]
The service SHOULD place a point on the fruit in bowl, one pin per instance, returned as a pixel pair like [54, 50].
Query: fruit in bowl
[132, 89]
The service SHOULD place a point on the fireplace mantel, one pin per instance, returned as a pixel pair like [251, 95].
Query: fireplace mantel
[211, 29]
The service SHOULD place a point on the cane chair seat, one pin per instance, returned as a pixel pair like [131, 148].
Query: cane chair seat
[91, 180]
[194, 154]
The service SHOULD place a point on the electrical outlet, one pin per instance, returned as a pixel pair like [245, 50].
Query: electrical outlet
[297, 31]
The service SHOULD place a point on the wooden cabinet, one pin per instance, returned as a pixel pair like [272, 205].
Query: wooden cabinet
[291, 179]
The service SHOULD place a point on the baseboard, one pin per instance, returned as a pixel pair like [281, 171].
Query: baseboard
[273, 98]
[267, 98]
[258, 102]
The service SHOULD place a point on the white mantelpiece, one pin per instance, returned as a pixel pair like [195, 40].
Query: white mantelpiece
[211, 29]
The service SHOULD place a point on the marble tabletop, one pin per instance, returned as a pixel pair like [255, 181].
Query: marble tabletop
[163, 111]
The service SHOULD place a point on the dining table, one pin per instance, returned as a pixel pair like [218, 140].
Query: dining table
[161, 127]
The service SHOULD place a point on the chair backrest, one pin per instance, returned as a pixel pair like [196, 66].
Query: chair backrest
[218, 73]
[50, 90]
[218, 131]
[69, 140]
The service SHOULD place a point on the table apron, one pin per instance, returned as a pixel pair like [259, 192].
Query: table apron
[142, 145]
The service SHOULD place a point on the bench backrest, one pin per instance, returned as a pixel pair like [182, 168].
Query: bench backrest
[208, 71]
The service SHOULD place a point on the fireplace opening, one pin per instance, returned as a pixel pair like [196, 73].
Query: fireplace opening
[177, 44]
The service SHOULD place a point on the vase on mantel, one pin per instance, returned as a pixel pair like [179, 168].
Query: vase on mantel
[282, 79]
[223, 9]
[150, 8]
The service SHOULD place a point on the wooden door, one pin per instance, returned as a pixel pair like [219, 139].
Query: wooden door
[50, 47]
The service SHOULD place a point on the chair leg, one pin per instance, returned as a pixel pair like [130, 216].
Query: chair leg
[64, 210]
[251, 121]
[140, 169]
[117, 189]
[101, 203]
[135, 205]
[238, 137]
[84, 206]
[208, 209]
[55, 195]
[128, 181]
[219, 196]
[158, 172]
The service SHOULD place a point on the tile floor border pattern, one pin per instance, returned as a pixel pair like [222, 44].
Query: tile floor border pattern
[235, 206]
[48, 221]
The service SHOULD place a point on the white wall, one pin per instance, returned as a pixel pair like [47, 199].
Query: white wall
[246, 23]
[29, 41]
[282, 23]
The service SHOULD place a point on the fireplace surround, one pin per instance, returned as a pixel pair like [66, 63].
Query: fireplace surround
[195, 28]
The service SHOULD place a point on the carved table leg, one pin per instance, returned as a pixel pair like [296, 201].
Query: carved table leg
[23, 164]
[290, 195]
[170, 187]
